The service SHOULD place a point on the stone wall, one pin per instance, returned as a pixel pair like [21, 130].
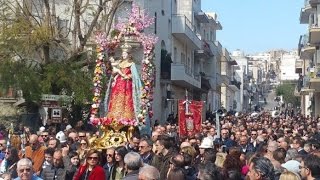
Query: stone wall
[8, 114]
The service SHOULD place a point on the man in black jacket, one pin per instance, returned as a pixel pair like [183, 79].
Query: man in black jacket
[145, 149]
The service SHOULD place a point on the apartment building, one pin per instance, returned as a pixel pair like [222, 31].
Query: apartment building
[190, 55]
[244, 93]
[308, 50]
[230, 84]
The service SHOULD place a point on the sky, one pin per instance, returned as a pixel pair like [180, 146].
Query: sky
[257, 25]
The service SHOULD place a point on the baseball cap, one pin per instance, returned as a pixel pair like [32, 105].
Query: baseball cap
[292, 165]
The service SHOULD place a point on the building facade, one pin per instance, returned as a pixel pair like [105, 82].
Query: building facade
[308, 87]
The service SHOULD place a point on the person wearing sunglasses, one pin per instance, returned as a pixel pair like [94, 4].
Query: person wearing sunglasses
[9, 164]
[108, 166]
[91, 170]
[83, 149]
[25, 170]
[45, 137]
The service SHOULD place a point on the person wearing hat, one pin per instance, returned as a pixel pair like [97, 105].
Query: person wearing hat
[61, 137]
[292, 165]
[205, 145]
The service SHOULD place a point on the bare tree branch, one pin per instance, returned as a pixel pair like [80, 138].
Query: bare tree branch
[27, 14]
[115, 5]
[83, 40]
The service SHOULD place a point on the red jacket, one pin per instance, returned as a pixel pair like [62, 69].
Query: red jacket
[97, 173]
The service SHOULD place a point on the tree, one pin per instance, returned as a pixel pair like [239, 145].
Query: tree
[44, 45]
[287, 91]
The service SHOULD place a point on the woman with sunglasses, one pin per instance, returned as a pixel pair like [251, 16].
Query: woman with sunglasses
[91, 170]
[83, 149]
[9, 164]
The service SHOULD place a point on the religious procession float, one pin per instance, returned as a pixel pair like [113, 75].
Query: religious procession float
[126, 104]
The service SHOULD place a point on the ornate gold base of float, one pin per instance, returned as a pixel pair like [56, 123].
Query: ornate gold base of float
[111, 137]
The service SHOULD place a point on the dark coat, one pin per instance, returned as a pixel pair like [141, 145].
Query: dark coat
[148, 159]
[60, 172]
[302, 152]
[162, 163]
[107, 171]
[132, 175]
[248, 148]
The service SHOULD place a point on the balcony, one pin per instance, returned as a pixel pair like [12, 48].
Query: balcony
[305, 49]
[183, 76]
[302, 87]
[205, 84]
[299, 66]
[305, 12]
[313, 3]
[314, 31]
[184, 31]
[201, 17]
[314, 82]
[225, 79]
[205, 51]
[235, 85]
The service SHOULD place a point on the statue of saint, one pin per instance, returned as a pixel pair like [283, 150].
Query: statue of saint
[124, 97]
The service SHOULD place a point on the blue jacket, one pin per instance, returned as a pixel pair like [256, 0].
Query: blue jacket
[226, 142]
[34, 177]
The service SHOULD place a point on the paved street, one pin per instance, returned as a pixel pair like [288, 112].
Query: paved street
[270, 101]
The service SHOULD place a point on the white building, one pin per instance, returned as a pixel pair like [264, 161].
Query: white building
[287, 67]
[242, 72]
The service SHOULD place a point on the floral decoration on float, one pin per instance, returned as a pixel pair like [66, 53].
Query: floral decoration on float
[131, 27]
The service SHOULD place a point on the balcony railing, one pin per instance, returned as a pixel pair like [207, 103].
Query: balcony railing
[205, 83]
[236, 83]
[180, 72]
[303, 82]
[305, 40]
[183, 26]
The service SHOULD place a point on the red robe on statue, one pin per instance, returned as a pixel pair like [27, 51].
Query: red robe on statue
[120, 108]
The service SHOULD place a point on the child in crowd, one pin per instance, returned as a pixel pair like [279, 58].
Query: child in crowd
[75, 162]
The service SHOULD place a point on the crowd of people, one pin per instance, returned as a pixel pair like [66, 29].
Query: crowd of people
[254, 148]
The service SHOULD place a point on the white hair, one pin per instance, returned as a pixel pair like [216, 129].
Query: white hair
[24, 162]
[150, 172]
[133, 161]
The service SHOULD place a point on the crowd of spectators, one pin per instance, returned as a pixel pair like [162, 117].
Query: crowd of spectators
[254, 148]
